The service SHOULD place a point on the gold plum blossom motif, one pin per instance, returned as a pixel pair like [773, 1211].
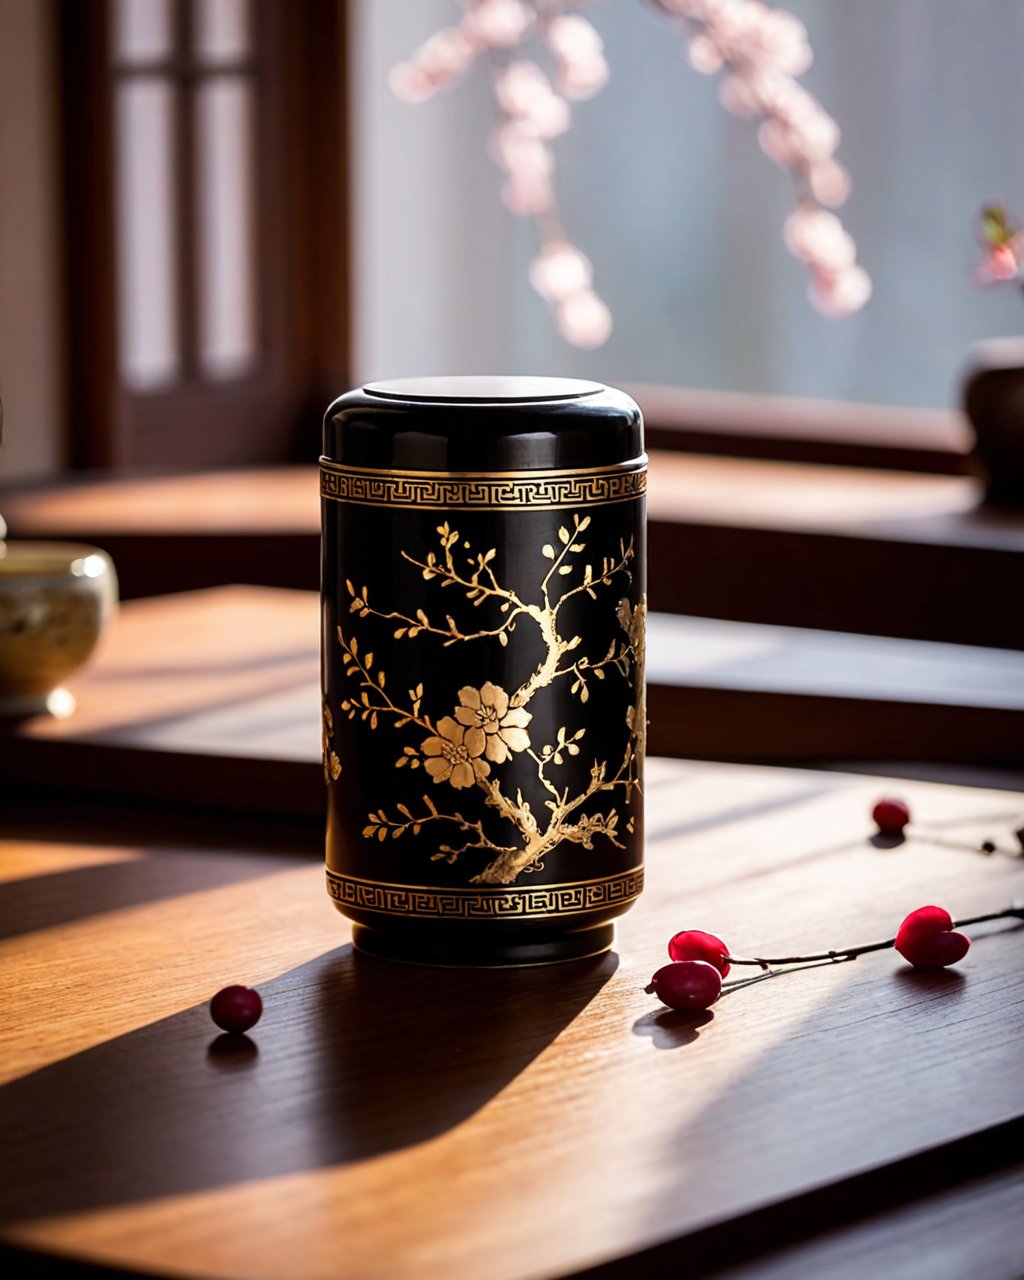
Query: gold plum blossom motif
[491, 724]
[634, 623]
[487, 709]
[332, 765]
[453, 754]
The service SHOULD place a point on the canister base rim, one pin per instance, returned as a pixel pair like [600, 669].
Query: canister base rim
[448, 952]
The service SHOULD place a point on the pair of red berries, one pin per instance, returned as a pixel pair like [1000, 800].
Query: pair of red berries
[693, 980]
[701, 961]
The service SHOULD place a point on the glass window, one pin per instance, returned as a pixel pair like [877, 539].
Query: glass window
[681, 213]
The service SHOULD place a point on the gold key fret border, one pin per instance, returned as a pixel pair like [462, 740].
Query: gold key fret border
[465, 490]
[540, 902]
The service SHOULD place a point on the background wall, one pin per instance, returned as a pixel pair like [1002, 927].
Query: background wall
[31, 358]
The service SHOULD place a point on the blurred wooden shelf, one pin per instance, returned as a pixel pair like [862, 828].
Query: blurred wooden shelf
[211, 700]
[877, 552]
[395, 1123]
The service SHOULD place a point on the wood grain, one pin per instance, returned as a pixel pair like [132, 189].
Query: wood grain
[968, 1231]
[411, 1124]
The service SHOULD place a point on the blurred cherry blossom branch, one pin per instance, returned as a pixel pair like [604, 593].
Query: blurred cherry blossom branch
[759, 50]
[1002, 242]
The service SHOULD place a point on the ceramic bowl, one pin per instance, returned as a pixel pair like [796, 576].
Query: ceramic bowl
[55, 600]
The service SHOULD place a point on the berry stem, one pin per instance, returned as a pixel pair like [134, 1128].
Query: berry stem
[735, 985]
[850, 953]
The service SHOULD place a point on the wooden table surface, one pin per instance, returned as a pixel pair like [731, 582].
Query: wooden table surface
[387, 1122]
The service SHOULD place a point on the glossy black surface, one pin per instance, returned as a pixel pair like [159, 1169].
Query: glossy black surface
[582, 428]
[378, 554]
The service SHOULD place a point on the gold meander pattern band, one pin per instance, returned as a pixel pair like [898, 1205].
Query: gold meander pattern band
[539, 902]
[546, 490]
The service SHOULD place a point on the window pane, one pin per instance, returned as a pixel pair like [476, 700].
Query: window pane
[681, 213]
[142, 29]
[147, 250]
[222, 29]
[225, 187]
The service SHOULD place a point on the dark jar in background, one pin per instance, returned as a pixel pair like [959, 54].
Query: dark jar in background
[483, 614]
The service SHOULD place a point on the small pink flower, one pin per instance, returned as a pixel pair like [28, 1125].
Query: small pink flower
[527, 196]
[560, 270]
[739, 96]
[410, 82]
[499, 23]
[448, 53]
[583, 78]
[840, 295]
[705, 55]
[583, 319]
[818, 237]
[521, 154]
[571, 37]
[829, 182]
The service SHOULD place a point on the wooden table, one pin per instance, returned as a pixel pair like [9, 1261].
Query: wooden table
[393, 1123]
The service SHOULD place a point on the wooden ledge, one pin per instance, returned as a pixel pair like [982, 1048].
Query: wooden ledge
[211, 700]
[880, 552]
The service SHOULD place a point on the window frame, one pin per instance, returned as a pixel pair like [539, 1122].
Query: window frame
[791, 429]
[303, 251]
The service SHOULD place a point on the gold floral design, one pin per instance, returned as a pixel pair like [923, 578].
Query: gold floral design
[490, 724]
[453, 754]
[487, 709]
[332, 765]
[634, 623]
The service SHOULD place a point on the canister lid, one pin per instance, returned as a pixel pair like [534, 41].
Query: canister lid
[475, 423]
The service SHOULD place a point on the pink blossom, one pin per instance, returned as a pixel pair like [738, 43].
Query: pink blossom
[559, 271]
[572, 38]
[499, 23]
[527, 195]
[583, 319]
[524, 92]
[519, 85]
[449, 52]
[410, 82]
[583, 78]
[818, 237]
[520, 153]
[829, 182]
[739, 96]
[705, 55]
[841, 294]
[779, 143]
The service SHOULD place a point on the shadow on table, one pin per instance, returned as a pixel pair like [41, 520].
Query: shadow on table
[891, 1088]
[353, 1058]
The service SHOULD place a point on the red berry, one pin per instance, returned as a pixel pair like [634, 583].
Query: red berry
[695, 944]
[927, 940]
[891, 815]
[687, 984]
[236, 1009]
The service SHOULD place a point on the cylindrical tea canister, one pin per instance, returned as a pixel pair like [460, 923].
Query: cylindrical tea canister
[483, 611]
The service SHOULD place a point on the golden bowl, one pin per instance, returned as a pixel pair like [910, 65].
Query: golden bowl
[55, 600]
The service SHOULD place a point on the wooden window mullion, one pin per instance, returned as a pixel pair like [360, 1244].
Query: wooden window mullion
[184, 86]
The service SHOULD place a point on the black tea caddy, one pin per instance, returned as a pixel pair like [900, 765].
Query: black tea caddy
[483, 616]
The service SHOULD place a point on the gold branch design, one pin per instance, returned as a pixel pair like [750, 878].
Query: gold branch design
[490, 725]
